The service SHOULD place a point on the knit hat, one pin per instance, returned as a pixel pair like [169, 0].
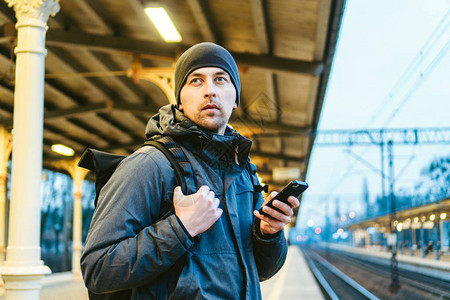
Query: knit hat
[205, 55]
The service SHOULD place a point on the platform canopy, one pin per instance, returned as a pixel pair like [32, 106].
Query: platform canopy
[108, 70]
[429, 212]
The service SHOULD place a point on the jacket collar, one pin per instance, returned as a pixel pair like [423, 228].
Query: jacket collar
[217, 150]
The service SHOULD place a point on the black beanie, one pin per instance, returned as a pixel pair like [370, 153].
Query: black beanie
[205, 55]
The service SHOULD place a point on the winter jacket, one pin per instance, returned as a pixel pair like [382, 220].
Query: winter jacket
[134, 243]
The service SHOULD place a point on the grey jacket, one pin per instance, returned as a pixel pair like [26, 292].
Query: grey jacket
[133, 242]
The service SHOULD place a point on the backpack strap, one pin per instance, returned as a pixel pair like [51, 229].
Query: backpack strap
[173, 161]
[186, 173]
[257, 188]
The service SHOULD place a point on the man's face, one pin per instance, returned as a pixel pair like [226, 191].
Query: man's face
[208, 98]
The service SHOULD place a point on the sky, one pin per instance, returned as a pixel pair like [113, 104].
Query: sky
[391, 69]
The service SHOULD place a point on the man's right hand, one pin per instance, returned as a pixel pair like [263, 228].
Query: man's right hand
[199, 211]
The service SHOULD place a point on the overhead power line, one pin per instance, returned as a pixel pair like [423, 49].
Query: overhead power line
[342, 137]
[421, 66]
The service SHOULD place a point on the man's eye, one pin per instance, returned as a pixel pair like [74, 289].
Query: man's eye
[221, 79]
[195, 80]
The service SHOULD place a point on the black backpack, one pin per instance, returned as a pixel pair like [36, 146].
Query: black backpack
[103, 164]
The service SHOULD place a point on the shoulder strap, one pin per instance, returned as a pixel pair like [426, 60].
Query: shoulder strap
[257, 188]
[173, 161]
[184, 168]
[184, 175]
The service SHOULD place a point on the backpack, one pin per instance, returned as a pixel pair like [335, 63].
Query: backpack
[103, 164]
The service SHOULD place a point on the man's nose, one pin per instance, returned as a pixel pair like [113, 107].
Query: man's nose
[210, 89]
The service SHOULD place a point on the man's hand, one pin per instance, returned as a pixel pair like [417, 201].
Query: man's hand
[277, 221]
[199, 211]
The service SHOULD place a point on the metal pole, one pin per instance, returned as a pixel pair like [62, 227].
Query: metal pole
[437, 236]
[422, 238]
[395, 284]
[412, 240]
[23, 267]
[383, 177]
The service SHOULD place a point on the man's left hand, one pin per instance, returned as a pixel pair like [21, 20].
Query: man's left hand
[277, 220]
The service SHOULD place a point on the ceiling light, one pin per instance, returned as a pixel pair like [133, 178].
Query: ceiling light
[63, 150]
[162, 22]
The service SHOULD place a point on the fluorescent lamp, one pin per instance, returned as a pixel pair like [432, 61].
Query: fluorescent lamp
[162, 22]
[63, 150]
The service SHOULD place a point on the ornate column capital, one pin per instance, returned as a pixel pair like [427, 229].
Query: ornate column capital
[34, 9]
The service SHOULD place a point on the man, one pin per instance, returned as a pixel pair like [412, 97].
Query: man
[216, 245]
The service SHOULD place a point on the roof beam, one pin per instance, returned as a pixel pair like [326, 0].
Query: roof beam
[97, 12]
[108, 43]
[106, 60]
[259, 22]
[121, 83]
[276, 156]
[72, 113]
[272, 93]
[278, 64]
[97, 107]
[322, 28]
[8, 32]
[57, 131]
[78, 67]
[75, 111]
[167, 51]
[201, 15]
[7, 11]
[269, 126]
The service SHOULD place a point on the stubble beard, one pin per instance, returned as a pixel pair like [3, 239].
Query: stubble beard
[213, 121]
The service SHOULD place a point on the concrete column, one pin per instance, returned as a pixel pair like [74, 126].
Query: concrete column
[5, 151]
[23, 267]
[78, 174]
[402, 242]
[422, 240]
[437, 237]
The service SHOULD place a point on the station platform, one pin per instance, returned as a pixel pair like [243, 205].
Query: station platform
[428, 261]
[293, 281]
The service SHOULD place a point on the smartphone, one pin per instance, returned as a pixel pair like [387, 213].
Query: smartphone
[294, 188]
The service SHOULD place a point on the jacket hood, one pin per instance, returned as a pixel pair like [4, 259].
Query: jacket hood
[172, 122]
[169, 121]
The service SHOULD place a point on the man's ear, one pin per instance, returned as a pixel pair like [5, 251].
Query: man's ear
[180, 107]
[235, 105]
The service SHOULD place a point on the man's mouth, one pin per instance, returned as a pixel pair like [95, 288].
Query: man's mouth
[210, 107]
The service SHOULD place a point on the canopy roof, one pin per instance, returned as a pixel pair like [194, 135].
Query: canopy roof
[108, 70]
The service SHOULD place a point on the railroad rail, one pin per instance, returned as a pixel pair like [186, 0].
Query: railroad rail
[352, 276]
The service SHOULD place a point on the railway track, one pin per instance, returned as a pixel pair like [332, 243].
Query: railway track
[349, 276]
